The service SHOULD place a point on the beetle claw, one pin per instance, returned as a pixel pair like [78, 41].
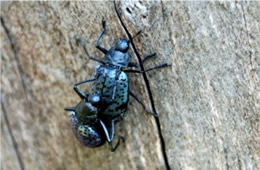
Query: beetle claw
[103, 23]
[121, 137]
[152, 112]
[79, 40]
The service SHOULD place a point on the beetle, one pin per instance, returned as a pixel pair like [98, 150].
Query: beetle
[85, 124]
[111, 86]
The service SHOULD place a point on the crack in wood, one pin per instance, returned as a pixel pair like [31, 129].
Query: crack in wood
[247, 34]
[21, 72]
[14, 143]
[148, 88]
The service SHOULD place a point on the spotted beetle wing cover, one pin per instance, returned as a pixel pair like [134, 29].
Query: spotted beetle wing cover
[108, 80]
[86, 135]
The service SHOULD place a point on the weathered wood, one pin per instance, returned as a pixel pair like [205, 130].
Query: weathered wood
[208, 102]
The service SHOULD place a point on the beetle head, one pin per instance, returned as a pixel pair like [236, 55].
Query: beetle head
[122, 45]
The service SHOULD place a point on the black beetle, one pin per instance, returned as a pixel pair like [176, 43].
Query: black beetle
[111, 90]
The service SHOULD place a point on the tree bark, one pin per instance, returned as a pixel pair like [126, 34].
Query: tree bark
[208, 101]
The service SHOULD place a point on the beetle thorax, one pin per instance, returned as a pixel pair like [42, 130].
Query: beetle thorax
[117, 58]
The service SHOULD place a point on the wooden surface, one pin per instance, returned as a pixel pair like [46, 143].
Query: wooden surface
[208, 101]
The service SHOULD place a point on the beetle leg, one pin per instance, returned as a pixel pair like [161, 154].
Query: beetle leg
[103, 50]
[158, 66]
[139, 101]
[148, 57]
[110, 138]
[81, 94]
[130, 64]
[113, 126]
[83, 44]
[72, 109]
[153, 68]
[85, 81]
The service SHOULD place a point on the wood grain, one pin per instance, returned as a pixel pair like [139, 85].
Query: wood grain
[208, 101]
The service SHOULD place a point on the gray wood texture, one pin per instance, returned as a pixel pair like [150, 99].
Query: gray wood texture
[208, 101]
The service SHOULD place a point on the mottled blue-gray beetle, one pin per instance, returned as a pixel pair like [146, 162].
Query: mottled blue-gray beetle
[95, 115]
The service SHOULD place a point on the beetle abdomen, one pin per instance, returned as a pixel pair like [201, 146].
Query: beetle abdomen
[86, 135]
